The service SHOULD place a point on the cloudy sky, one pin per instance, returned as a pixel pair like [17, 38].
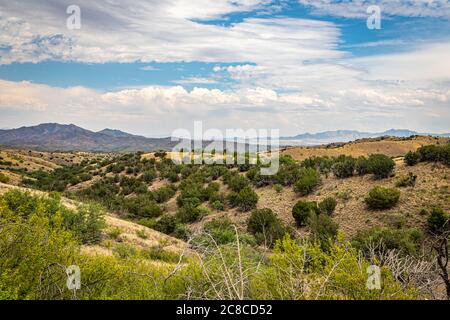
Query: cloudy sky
[150, 67]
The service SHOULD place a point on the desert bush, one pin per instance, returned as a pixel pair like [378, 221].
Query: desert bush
[407, 181]
[411, 158]
[245, 200]
[303, 210]
[190, 213]
[323, 230]
[304, 271]
[327, 206]
[3, 178]
[237, 183]
[218, 205]
[166, 224]
[142, 206]
[287, 174]
[309, 179]
[380, 198]
[362, 166]
[163, 194]
[344, 167]
[266, 227]
[438, 221]
[380, 165]
[278, 188]
[405, 241]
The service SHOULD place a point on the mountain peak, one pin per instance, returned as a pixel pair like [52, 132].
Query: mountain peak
[115, 133]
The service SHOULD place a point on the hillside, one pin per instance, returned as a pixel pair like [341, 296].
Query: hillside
[57, 137]
[390, 146]
[165, 215]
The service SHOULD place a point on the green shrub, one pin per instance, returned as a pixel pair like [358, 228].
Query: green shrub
[114, 233]
[4, 178]
[266, 227]
[438, 221]
[303, 210]
[181, 232]
[238, 182]
[308, 181]
[164, 193]
[406, 241]
[323, 230]
[278, 188]
[344, 167]
[218, 205]
[407, 181]
[143, 206]
[221, 230]
[380, 198]
[327, 206]
[362, 166]
[190, 213]
[166, 224]
[245, 200]
[380, 165]
[411, 158]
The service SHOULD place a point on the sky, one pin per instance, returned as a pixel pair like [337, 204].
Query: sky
[152, 67]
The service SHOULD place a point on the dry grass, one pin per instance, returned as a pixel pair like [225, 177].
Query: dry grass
[392, 147]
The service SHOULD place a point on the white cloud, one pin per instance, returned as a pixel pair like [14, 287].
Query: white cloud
[357, 9]
[289, 72]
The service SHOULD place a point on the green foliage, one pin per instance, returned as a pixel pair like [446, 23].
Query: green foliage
[304, 271]
[190, 213]
[218, 205]
[323, 230]
[278, 188]
[327, 206]
[163, 194]
[247, 199]
[142, 206]
[266, 227]
[114, 233]
[309, 179]
[4, 178]
[362, 166]
[166, 224]
[344, 166]
[380, 165]
[303, 210]
[380, 198]
[405, 241]
[438, 221]
[237, 183]
[406, 181]
[411, 158]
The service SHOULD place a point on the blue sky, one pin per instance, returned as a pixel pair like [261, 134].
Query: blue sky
[293, 65]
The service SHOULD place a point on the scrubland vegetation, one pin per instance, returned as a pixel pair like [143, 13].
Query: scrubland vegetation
[261, 257]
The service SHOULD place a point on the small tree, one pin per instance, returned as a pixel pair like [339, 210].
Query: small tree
[380, 198]
[308, 180]
[266, 226]
[303, 210]
[327, 206]
[245, 200]
[381, 165]
[411, 158]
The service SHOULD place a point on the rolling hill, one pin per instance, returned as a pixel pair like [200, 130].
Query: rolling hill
[58, 137]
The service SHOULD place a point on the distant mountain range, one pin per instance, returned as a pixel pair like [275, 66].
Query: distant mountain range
[350, 135]
[58, 137]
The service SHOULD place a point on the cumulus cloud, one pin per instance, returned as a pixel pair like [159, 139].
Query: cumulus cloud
[288, 73]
